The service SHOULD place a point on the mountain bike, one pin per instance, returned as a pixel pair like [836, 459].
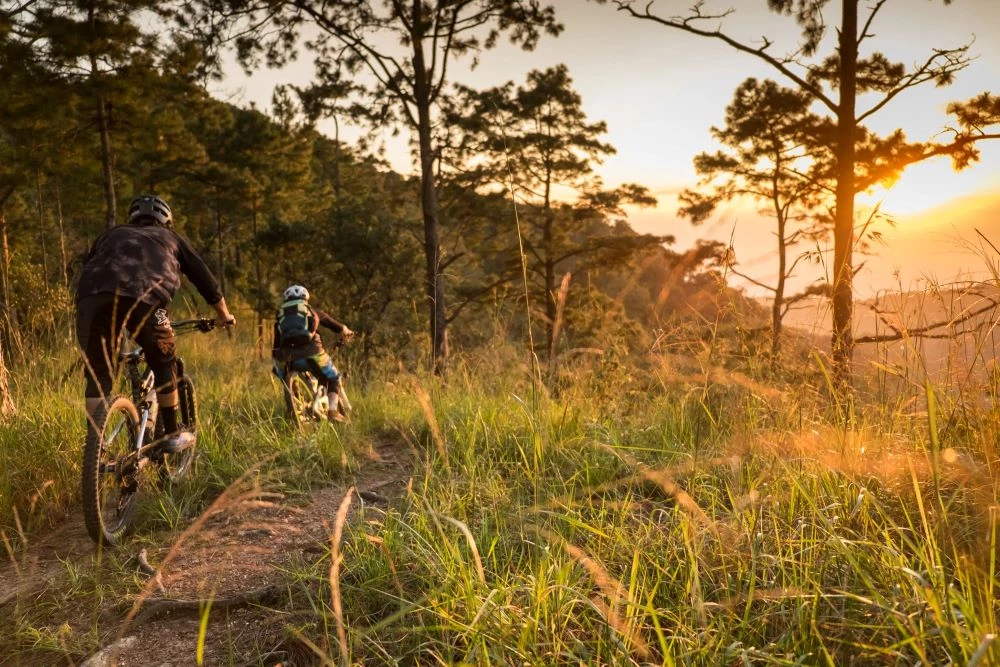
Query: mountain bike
[306, 400]
[121, 443]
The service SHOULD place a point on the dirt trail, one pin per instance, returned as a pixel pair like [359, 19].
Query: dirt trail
[237, 558]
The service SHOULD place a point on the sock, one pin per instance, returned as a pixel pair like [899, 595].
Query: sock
[168, 417]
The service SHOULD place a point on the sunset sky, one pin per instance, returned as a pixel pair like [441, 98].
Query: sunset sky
[660, 90]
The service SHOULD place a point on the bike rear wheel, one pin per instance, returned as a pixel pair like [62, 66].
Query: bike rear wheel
[343, 403]
[176, 466]
[110, 474]
[300, 394]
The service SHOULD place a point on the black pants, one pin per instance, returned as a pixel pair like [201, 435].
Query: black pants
[100, 320]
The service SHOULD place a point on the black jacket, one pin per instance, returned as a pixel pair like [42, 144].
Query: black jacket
[145, 263]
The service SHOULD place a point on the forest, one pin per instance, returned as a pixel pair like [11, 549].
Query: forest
[573, 442]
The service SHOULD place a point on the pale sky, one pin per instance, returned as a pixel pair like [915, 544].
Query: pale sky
[660, 90]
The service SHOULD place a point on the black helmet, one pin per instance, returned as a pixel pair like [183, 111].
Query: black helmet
[152, 207]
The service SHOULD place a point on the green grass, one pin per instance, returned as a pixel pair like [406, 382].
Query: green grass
[41, 449]
[636, 517]
[678, 533]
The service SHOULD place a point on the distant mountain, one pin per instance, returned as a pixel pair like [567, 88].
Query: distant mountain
[939, 246]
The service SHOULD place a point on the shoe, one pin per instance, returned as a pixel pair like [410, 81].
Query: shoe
[177, 443]
[333, 412]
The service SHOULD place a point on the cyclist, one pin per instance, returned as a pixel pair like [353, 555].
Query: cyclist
[297, 343]
[128, 280]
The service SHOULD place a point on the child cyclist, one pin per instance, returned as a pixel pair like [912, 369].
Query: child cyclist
[298, 346]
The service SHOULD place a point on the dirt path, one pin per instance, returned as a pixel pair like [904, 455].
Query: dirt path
[238, 556]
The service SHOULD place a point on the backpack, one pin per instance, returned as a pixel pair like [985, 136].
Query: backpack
[296, 323]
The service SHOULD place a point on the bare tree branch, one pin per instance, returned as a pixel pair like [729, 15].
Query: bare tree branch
[955, 61]
[927, 331]
[687, 25]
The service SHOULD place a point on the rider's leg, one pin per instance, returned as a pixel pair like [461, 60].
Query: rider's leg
[167, 410]
[326, 372]
[97, 325]
[156, 337]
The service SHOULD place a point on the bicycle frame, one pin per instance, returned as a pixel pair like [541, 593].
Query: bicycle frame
[143, 389]
[114, 458]
[143, 395]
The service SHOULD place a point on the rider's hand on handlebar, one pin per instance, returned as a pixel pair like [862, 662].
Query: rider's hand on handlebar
[346, 334]
[225, 319]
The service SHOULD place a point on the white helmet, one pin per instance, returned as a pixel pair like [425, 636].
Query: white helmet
[296, 292]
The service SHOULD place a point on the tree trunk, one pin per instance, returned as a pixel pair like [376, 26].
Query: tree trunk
[222, 254]
[779, 293]
[237, 249]
[110, 201]
[550, 285]
[103, 127]
[42, 232]
[336, 161]
[7, 405]
[260, 282]
[62, 237]
[779, 288]
[549, 265]
[428, 196]
[8, 321]
[5, 250]
[843, 231]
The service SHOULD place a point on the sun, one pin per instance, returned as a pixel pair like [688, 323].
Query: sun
[922, 188]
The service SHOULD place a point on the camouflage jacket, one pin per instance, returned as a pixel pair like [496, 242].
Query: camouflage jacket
[145, 263]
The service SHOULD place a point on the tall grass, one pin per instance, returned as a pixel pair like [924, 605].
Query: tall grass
[241, 421]
[719, 527]
[656, 514]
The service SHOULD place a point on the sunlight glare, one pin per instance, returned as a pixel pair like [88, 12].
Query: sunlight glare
[921, 188]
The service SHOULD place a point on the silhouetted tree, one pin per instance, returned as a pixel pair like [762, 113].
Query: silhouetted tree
[535, 141]
[836, 82]
[772, 144]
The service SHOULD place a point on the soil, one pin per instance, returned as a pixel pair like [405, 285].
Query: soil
[238, 556]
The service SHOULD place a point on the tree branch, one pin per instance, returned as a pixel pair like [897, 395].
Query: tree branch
[925, 331]
[864, 34]
[686, 25]
[744, 276]
[926, 72]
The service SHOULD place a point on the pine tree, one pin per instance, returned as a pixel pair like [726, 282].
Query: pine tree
[536, 142]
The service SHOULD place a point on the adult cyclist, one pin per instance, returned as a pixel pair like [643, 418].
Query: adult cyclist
[298, 346]
[129, 278]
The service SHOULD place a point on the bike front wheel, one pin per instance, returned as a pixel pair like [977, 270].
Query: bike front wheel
[110, 482]
[176, 466]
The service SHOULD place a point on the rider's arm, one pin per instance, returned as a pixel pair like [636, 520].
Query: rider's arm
[330, 323]
[222, 312]
[194, 267]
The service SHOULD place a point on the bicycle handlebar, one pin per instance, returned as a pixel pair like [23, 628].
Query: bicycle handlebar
[180, 327]
[202, 324]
